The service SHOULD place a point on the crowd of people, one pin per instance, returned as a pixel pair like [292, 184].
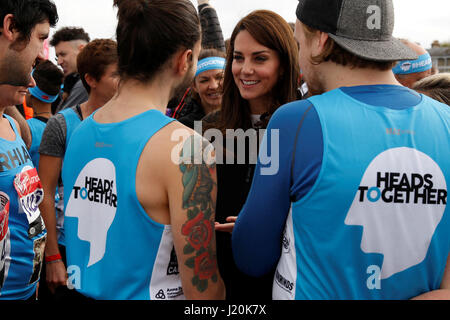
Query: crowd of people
[292, 161]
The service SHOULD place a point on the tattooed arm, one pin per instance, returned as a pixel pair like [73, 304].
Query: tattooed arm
[177, 187]
[192, 202]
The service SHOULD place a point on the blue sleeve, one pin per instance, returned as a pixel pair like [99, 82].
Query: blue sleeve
[293, 136]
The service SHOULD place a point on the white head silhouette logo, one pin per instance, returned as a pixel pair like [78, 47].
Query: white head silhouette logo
[400, 201]
[93, 201]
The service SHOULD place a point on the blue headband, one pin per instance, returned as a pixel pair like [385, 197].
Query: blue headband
[41, 95]
[211, 63]
[422, 63]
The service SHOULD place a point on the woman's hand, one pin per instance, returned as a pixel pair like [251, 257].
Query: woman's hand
[226, 227]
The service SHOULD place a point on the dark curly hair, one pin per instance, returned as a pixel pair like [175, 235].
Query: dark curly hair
[27, 14]
[95, 57]
[69, 34]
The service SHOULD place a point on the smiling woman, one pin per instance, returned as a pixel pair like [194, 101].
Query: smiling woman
[261, 74]
[206, 94]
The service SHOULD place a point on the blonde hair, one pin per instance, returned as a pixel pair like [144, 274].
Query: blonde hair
[436, 86]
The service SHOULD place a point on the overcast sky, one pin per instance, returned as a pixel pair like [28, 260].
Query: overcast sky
[418, 20]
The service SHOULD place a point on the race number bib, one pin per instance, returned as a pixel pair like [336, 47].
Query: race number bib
[30, 192]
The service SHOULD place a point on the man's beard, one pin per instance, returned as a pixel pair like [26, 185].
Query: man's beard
[315, 86]
[179, 91]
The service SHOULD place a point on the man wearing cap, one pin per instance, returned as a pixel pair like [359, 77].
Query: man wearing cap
[408, 72]
[359, 201]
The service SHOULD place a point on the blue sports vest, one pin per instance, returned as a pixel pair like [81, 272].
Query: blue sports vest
[114, 250]
[22, 246]
[72, 122]
[37, 129]
[375, 224]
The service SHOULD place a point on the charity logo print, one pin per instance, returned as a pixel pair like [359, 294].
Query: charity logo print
[160, 295]
[399, 202]
[165, 282]
[93, 201]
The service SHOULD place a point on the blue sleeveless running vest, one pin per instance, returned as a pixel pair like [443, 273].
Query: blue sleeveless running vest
[72, 122]
[375, 224]
[114, 250]
[37, 129]
[22, 245]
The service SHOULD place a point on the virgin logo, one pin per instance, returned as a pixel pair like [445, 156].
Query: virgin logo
[22, 184]
[27, 181]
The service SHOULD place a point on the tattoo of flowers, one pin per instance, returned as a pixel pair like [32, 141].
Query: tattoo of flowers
[199, 228]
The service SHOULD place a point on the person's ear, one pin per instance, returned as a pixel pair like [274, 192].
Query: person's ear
[319, 43]
[81, 46]
[184, 62]
[90, 81]
[7, 28]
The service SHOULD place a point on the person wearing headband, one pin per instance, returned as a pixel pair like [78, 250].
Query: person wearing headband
[408, 72]
[206, 94]
[49, 79]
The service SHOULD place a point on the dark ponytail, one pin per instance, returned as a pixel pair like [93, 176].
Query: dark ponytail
[150, 32]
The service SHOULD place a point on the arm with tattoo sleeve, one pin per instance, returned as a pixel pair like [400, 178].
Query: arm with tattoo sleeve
[192, 217]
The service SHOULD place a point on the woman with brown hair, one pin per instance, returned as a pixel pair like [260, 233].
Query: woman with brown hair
[261, 74]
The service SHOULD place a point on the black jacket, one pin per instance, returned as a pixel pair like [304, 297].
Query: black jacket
[233, 185]
[212, 36]
[192, 111]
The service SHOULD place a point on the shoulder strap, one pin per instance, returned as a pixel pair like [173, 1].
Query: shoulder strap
[79, 111]
[43, 119]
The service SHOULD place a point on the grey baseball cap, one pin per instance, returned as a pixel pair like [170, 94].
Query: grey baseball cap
[362, 27]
